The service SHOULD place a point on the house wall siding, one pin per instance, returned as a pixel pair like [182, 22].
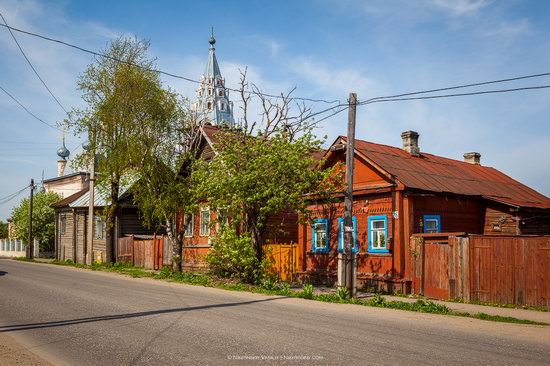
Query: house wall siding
[456, 213]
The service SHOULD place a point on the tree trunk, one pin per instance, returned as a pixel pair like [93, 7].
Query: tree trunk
[175, 245]
[110, 255]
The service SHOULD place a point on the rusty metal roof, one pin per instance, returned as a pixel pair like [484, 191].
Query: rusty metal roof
[438, 174]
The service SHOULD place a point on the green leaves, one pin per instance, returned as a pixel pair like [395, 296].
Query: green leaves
[43, 219]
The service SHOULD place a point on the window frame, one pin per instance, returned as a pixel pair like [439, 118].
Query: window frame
[63, 224]
[370, 219]
[341, 238]
[436, 218]
[101, 234]
[204, 209]
[314, 248]
[191, 226]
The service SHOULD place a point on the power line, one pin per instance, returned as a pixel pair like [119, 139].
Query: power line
[32, 67]
[459, 87]
[10, 197]
[156, 70]
[370, 101]
[28, 111]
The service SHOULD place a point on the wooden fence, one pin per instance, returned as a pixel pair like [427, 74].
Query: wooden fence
[496, 269]
[142, 252]
[283, 260]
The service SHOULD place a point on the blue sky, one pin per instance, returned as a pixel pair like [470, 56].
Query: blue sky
[324, 48]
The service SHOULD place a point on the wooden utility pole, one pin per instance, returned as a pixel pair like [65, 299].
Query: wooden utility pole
[30, 245]
[349, 237]
[90, 238]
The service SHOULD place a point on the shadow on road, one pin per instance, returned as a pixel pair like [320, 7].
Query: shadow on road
[2, 273]
[62, 323]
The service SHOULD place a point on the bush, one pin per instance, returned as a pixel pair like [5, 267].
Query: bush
[342, 293]
[307, 291]
[233, 255]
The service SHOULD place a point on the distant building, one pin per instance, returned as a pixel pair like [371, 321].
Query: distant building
[212, 104]
[65, 184]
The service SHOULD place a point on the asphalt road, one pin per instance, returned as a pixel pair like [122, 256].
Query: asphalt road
[79, 317]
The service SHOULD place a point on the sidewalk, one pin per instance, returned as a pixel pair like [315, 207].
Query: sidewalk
[13, 353]
[538, 316]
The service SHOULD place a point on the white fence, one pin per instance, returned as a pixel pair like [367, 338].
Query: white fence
[15, 248]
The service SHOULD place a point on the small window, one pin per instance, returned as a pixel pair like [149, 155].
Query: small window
[378, 234]
[319, 235]
[431, 224]
[219, 82]
[220, 93]
[63, 224]
[223, 107]
[188, 223]
[222, 218]
[99, 228]
[205, 222]
[341, 234]
[209, 92]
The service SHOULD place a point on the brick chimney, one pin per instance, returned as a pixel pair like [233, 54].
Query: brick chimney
[472, 158]
[410, 142]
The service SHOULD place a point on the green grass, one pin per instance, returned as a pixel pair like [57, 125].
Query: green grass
[273, 288]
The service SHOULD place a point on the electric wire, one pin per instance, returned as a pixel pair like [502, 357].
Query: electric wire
[370, 101]
[10, 197]
[98, 54]
[32, 67]
[28, 111]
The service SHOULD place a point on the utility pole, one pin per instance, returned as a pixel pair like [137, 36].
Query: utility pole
[30, 245]
[90, 239]
[349, 255]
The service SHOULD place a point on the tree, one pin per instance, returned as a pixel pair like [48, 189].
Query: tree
[43, 219]
[3, 230]
[164, 189]
[252, 178]
[125, 106]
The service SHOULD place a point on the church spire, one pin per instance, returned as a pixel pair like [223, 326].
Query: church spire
[212, 103]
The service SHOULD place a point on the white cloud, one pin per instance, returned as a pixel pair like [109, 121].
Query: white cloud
[509, 29]
[461, 7]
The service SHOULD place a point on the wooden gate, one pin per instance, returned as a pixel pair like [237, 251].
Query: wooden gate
[283, 260]
[141, 252]
[510, 269]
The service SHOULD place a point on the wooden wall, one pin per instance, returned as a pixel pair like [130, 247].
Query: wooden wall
[456, 213]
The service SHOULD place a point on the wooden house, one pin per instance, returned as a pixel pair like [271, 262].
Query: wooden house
[202, 226]
[71, 217]
[401, 191]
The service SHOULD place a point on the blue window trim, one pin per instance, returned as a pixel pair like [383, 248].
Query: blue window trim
[431, 217]
[314, 249]
[369, 230]
[340, 244]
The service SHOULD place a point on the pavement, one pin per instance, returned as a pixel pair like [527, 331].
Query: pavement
[70, 316]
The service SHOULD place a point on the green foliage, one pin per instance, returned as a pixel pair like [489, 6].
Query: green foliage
[3, 230]
[307, 291]
[43, 219]
[342, 293]
[127, 115]
[232, 255]
[253, 178]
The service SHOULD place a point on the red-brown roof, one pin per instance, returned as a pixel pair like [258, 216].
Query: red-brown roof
[438, 174]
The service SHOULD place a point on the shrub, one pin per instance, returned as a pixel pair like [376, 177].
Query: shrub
[307, 291]
[342, 293]
[233, 255]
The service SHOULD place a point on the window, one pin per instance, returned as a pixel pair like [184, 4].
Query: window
[378, 234]
[189, 223]
[205, 222]
[223, 107]
[63, 224]
[209, 105]
[431, 223]
[222, 218]
[220, 93]
[209, 92]
[319, 235]
[99, 228]
[341, 234]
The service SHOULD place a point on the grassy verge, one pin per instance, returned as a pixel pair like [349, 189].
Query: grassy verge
[273, 288]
